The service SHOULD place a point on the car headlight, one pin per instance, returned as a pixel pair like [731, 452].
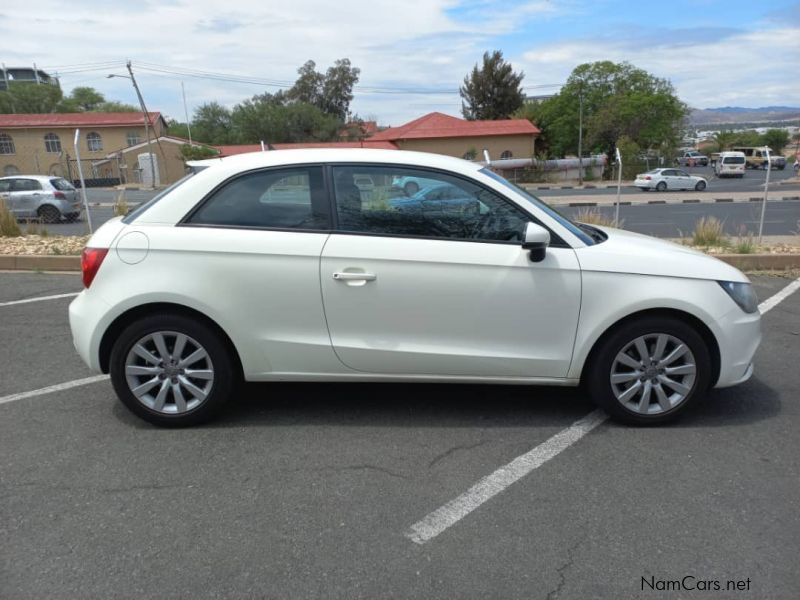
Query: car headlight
[742, 294]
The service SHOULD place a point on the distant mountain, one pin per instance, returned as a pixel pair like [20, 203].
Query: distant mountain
[740, 114]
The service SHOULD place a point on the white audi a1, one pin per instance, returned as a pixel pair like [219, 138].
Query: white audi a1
[278, 266]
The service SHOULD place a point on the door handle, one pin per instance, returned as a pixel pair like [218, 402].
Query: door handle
[348, 276]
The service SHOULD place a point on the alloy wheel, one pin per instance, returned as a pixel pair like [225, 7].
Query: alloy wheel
[653, 374]
[169, 372]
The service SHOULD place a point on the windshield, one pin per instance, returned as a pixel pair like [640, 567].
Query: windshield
[585, 235]
[143, 207]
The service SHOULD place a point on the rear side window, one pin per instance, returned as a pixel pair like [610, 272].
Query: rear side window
[61, 184]
[5, 185]
[290, 198]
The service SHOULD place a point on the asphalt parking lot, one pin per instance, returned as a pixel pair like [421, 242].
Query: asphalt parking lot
[312, 490]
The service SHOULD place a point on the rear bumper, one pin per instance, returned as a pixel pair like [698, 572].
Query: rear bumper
[87, 330]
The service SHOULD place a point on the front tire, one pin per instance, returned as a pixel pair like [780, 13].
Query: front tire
[701, 185]
[171, 370]
[649, 370]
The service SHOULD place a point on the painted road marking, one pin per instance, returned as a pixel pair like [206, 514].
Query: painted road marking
[451, 513]
[53, 388]
[39, 299]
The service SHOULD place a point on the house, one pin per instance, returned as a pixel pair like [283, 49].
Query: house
[443, 134]
[43, 143]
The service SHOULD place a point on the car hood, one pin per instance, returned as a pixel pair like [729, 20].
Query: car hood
[628, 252]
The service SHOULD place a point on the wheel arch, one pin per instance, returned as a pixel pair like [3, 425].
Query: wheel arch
[688, 318]
[116, 327]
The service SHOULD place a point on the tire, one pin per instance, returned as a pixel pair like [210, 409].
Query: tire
[661, 186]
[411, 188]
[605, 362]
[199, 398]
[49, 213]
[701, 185]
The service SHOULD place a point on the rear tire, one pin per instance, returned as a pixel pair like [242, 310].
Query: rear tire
[666, 382]
[185, 363]
[49, 214]
[661, 186]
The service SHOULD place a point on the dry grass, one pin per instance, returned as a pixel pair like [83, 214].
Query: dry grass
[709, 231]
[8, 222]
[592, 216]
[121, 205]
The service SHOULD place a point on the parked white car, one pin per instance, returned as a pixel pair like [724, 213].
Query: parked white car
[218, 280]
[669, 179]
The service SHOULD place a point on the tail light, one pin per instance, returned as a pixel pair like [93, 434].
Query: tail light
[91, 259]
[60, 195]
[647, 178]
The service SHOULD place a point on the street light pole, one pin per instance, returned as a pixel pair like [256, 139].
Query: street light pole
[580, 135]
[766, 196]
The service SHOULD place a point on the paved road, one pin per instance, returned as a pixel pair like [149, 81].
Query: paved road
[753, 181]
[307, 491]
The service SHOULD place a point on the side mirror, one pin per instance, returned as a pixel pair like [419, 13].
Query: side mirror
[537, 238]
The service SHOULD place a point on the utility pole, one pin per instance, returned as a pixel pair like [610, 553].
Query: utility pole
[146, 124]
[580, 134]
[186, 114]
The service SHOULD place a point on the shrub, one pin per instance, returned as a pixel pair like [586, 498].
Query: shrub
[709, 231]
[8, 222]
[593, 216]
[745, 244]
[120, 205]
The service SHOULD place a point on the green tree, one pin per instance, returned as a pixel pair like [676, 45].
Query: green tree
[309, 84]
[776, 139]
[24, 97]
[723, 140]
[195, 152]
[212, 124]
[81, 99]
[265, 117]
[619, 100]
[492, 91]
[748, 137]
[176, 128]
[114, 106]
[332, 92]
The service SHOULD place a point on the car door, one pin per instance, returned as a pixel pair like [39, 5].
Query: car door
[407, 293]
[26, 194]
[684, 181]
[255, 243]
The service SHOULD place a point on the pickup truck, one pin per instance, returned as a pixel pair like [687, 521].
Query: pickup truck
[692, 158]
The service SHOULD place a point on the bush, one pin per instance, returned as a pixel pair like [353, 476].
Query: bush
[745, 244]
[120, 205]
[709, 231]
[8, 222]
[592, 216]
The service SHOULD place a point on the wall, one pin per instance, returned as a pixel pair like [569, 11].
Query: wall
[521, 146]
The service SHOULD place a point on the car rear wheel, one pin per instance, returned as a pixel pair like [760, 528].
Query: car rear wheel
[49, 214]
[701, 185]
[661, 186]
[171, 370]
[649, 370]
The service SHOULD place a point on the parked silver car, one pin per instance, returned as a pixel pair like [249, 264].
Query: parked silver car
[37, 196]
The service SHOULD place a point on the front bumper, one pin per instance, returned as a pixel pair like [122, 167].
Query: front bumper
[739, 335]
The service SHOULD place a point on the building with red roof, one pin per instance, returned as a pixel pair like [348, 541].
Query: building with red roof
[442, 134]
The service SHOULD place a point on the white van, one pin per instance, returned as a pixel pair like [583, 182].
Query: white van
[730, 164]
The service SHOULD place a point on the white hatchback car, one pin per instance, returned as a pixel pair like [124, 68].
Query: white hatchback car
[274, 266]
[669, 179]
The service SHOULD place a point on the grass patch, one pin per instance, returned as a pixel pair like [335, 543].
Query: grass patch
[709, 231]
[121, 205]
[592, 216]
[8, 222]
[745, 244]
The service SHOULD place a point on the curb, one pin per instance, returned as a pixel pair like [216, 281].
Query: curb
[761, 262]
[34, 262]
[554, 201]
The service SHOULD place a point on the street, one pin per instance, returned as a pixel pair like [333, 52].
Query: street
[311, 490]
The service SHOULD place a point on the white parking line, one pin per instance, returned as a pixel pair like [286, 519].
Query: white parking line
[39, 299]
[53, 388]
[491, 485]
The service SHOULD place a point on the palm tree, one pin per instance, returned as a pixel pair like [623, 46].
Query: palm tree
[724, 140]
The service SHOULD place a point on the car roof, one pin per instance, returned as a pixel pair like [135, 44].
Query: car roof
[37, 177]
[255, 160]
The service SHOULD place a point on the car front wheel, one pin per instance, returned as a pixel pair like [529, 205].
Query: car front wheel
[649, 370]
[701, 185]
[171, 370]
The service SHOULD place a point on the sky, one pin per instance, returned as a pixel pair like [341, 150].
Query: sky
[413, 54]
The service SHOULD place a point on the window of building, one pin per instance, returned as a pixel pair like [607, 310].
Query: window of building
[52, 143]
[6, 144]
[506, 154]
[133, 138]
[94, 142]
[291, 198]
[9, 170]
[443, 206]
